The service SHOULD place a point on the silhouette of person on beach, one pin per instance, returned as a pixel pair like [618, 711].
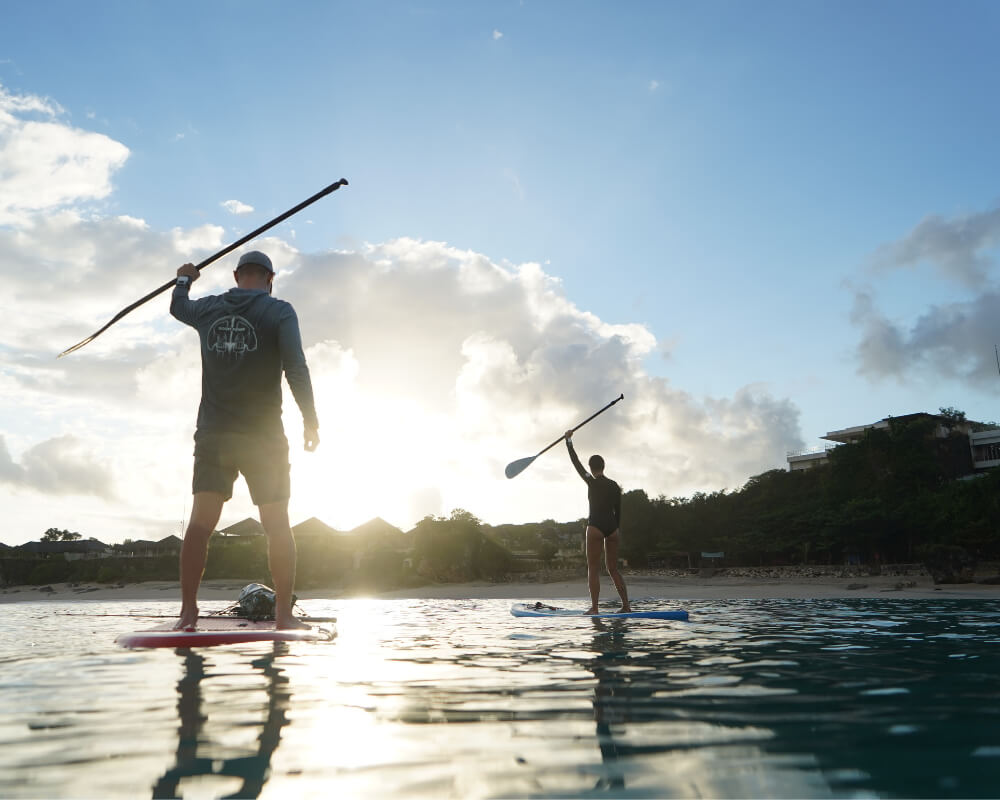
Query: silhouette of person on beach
[603, 525]
[248, 339]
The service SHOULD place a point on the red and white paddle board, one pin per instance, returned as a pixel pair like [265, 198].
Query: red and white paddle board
[212, 631]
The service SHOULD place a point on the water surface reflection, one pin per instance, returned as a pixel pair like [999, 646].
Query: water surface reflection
[201, 759]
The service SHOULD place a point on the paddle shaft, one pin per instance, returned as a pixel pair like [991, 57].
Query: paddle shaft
[573, 430]
[252, 235]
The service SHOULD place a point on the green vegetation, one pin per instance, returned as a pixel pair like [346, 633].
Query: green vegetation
[456, 549]
[891, 497]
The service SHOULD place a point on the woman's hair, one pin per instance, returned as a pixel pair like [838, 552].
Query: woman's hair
[596, 464]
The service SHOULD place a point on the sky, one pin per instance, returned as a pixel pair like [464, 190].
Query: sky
[758, 221]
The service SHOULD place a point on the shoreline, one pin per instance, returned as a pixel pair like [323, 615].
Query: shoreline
[642, 587]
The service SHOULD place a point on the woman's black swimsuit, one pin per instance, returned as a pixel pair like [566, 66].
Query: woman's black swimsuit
[605, 497]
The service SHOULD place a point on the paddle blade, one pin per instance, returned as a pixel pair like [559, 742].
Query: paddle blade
[515, 468]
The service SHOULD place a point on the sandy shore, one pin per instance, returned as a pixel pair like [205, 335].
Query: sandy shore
[640, 587]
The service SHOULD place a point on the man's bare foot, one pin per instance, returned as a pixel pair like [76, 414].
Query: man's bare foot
[590, 611]
[625, 609]
[289, 622]
[188, 620]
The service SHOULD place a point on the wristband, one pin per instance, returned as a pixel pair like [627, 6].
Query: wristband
[183, 280]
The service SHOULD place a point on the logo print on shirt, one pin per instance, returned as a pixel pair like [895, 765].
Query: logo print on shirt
[232, 336]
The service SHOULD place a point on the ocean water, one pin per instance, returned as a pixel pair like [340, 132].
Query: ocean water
[435, 698]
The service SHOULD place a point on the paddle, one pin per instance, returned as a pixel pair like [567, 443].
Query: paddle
[253, 234]
[515, 468]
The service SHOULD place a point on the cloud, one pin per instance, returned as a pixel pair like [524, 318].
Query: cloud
[512, 362]
[958, 248]
[433, 368]
[237, 208]
[497, 35]
[654, 85]
[952, 340]
[197, 240]
[515, 182]
[46, 164]
[58, 466]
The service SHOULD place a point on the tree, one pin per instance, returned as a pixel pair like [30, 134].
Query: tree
[455, 549]
[953, 415]
[546, 551]
[58, 535]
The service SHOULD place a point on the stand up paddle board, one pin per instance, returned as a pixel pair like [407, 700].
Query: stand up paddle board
[542, 610]
[213, 631]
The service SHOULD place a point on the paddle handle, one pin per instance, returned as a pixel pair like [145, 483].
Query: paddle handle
[253, 234]
[588, 419]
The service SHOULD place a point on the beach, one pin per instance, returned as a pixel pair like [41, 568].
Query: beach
[642, 587]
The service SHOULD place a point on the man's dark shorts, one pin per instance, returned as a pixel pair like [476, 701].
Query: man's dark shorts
[263, 460]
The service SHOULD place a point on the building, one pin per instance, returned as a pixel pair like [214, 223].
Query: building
[984, 443]
[71, 551]
[144, 548]
[245, 528]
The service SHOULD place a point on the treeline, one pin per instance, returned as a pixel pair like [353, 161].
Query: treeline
[897, 495]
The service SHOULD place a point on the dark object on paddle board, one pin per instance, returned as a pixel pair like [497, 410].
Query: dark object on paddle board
[255, 603]
[542, 610]
[213, 631]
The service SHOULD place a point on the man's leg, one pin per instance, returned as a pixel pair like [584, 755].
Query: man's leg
[611, 558]
[281, 560]
[205, 512]
[594, 540]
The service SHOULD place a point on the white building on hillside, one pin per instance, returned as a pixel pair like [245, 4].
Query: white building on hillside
[984, 445]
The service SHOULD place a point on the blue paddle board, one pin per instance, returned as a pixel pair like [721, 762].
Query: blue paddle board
[542, 610]
[212, 631]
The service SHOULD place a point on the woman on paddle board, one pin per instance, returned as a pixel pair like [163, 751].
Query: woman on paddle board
[603, 525]
[248, 339]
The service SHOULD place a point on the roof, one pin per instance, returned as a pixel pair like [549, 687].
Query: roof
[314, 527]
[246, 527]
[76, 546]
[375, 527]
[854, 433]
[379, 532]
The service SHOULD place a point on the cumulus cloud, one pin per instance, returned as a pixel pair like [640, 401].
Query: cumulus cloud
[197, 240]
[513, 362]
[433, 368]
[47, 164]
[59, 466]
[237, 208]
[958, 248]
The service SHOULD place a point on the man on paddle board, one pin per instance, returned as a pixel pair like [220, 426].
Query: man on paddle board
[603, 525]
[248, 339]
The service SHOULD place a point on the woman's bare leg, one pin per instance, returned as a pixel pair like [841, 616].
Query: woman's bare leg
[594, 540]
[611, 559]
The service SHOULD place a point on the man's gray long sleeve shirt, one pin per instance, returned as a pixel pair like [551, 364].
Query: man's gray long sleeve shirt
[248, 338]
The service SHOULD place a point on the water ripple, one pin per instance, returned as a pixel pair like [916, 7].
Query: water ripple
[432, 698]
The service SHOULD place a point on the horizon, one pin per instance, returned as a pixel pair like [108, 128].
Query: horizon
[333, 530]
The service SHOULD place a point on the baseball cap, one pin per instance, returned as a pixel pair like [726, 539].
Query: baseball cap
[258, 258]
